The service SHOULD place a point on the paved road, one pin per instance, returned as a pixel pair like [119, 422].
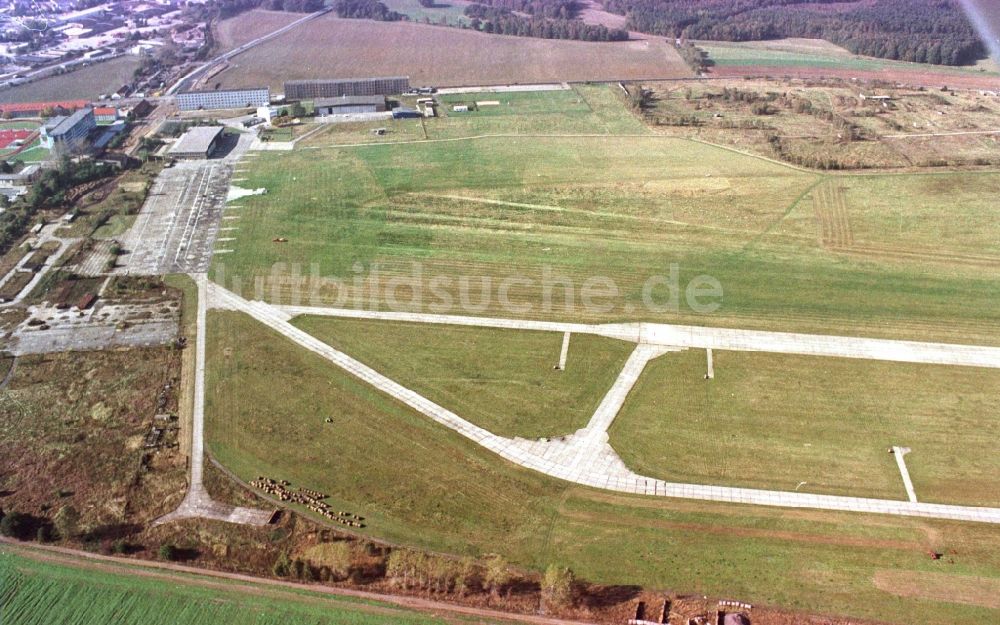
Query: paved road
[198, 503]
[584, 458]
[709, 338]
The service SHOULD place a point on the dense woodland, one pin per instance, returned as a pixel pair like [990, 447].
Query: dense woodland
[503, 21]
[923, 31]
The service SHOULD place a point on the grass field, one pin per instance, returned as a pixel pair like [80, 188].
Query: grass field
[442, 56]
[809, 53]
[44, 588]
[626, 207]
[815, 425]
[84, 83]
[421, 484]
[476, 372]
[452, 12]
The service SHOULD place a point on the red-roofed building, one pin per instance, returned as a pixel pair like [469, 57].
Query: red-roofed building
[35, 109]
[106, 114]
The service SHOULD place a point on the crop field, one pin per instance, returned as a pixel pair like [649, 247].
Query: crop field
[442, 56]
[476, 371]
[233, 32]
[43, 589]
[84, 83]
[419, 483]
[815, 425]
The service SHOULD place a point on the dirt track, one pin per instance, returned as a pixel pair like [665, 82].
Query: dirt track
[179, 573]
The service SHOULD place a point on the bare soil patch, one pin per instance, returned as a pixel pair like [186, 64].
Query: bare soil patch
[432, 55]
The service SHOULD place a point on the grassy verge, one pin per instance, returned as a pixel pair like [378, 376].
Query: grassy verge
[477, 372]
[420, 484]
[814, 425]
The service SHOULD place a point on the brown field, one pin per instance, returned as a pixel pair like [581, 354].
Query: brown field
[918, 128]
[916, 78]
[86, 83]
[441, 56]
[235, 31]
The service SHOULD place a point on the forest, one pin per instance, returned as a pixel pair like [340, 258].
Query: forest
[922, 31]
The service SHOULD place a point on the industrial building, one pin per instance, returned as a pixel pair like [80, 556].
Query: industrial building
[307, 89]
[224, 99]
[198, 142]
[106, 114]
[36, 109]
[68, 132]
[345, 105]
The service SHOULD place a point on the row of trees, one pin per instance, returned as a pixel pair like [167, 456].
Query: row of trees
[552, 9]
[923, 31]
[504, 22]
[48, 191]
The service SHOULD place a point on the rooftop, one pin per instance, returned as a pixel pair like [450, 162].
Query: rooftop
[38, 106]
[209, 91]
[350, 100]
[197, 140]
[313, 81]
[62, 125]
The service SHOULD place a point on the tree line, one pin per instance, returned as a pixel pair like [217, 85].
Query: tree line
[552, 9]
[921, 31]
[366, 9]
[502, 21]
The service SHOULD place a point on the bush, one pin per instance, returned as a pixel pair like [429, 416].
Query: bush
[557, 587]
[280, 568]
[15, 525]
[167, 552]
[44, 533]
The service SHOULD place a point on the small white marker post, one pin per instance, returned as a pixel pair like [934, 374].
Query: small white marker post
[899, 452]
[711, 367]
[565, 351]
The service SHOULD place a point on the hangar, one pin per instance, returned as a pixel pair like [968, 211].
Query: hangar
[345, 105]
[198, 142]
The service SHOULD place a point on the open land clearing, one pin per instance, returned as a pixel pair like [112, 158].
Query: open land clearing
[85, 82]
[477, 371]
[816, 58]
[815, 425]
[594, 193]
[833, 124]
[626, 207]
[233, 32]
[442, 56]
[419, 483]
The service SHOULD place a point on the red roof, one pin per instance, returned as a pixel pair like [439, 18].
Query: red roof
[105, 110]
[70, 105]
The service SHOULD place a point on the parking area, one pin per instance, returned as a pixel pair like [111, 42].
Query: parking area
[176, 230]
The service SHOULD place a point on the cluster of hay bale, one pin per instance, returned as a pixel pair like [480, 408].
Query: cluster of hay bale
[307, 497]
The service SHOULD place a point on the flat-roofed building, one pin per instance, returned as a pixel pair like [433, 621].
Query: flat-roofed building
[68, 131]
[224, 99]
[197, 142]
[348, 104]
[335, 88]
